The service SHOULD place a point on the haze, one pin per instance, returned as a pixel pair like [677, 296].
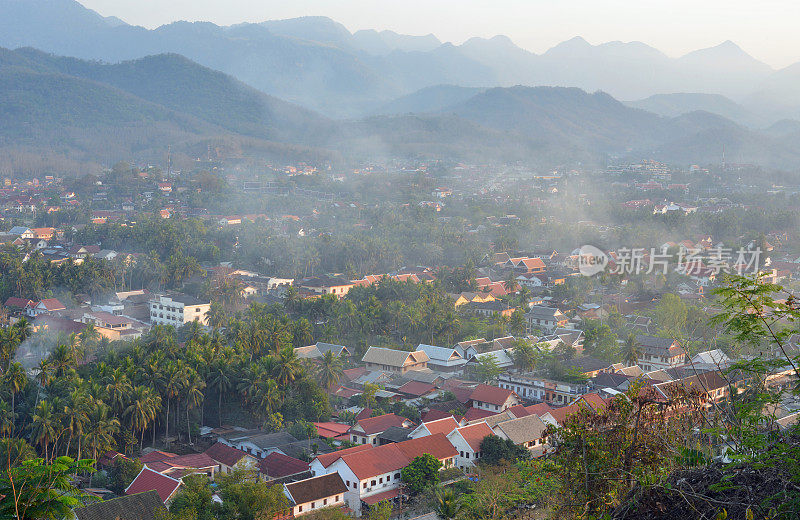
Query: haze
[765, 29]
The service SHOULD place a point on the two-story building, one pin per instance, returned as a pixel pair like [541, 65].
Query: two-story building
[531, 386]
[336, 285]
[366, 431]
[467, 442]
[178, 310]
[442, 359]
[391, 360]
[659, 353]
[528, 432]
[545, 319]
[493, 399]
[309, 495]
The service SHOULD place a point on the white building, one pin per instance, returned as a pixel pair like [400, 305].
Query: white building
[178, 310]
[467, 442]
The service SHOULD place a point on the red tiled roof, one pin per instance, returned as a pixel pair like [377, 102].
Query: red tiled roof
[331, 429]
[192, 460]
[416, 388]
[157, 456]
[594, 401]
[444, 426]
[51, 304]
[365, 413]
[519, 411]
[490, 394]
[436, 444]
[561, 414]
[149, 480]
[326, 459]
[475, 433]
[380, 497]
[461, 393]
[157, 465]
[392, 457]
[224, 454]
[435, 415]
[343, 391]
[538, 409]
[381, 423]
[278, 465]
[352, 373]
[19, 303]
[477, 413]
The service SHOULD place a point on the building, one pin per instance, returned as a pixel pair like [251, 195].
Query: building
[366, 431]
[178, 310]
[229, 458]
[140, 506]
[320, 349]
[443, 359]
[528, 432]
[46, 306]
[149, 480]
[546, 319]
[373, 475]
[335, 285]
[391, 360]
[530, 386]
[493, 399]
[490, 309]
[279, 466]
[444, 425]
[659, 353]
[467, 442]
[306, 496]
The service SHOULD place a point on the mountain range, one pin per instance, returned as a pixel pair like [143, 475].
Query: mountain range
[93, 111]
[316, 62]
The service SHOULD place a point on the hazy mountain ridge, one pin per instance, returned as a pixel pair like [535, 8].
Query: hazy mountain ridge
[317, 62]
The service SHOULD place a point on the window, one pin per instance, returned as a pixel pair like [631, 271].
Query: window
[462, 454]
[373, 483]
[355, 485]
[325, 502]
[299, 508]
[467, 455]
[337, 498]
[397, 476]
[347, 483]
[365, 485]
[380, 480]
[312, 505]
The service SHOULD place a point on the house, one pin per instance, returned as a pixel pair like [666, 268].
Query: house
[588, 366]
[19, 304]
[335, 285]
[319, 466]
[46, 233]
[414, 389]
[178, 309]
[393, 434]
[279, 466]
[444, 425]
[177, 466]
[467, 442]
[111, 326]
[490, 309]
[528, 432]
[140, 506]
[149, 480]
[229, 458]
[256, 442]
[471, 297]
[306, 496]
[712, 387]
[391, 360]
[659, 353]
[22, 232]
[503, 357]
[493, 399]
[81, 252]
[320, 349]
[525, 265]
[532, 386]
[46, 306]
[545, 319]
[331, 430]
[373, 475]
[442, 359]
[366, 431]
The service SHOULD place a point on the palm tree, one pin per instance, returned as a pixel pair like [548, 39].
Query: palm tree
[44, 426]
[144, 406]
[448, 504]
[7, 418]
[510, 283]
[287, 367]
[173, 382]
[101, 435]
[16, 379]
[44, 376]
[117, 390]
[194, 397]
[301, 333]
[267, 398]
[631, 351]
[330, 370]
[89, 336]
[60, 360]
[76, 417]
[220, 379]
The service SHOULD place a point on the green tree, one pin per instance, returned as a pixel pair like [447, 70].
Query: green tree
[422, 473]
[330, 370]
[631, 351]
[380, 511]
[495, 449]
[447, 504]
[487, 369]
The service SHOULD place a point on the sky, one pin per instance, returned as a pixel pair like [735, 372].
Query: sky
[766, 29]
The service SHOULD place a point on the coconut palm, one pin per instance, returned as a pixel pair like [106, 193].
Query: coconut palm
[142, 410]
[193, 396]
[118, 386]
[15, 380]
[7, 418]
[44, 376]
[221, 380]
[448, 504]
[330, 370]
[100, 437]
[287, 367]
[267, 398]
[631, 351]
[171, 385]
[76, 417]
[44, 426]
